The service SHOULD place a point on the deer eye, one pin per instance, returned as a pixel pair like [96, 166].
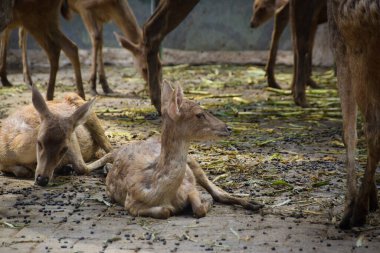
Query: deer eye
[63, 151]
[200, 115]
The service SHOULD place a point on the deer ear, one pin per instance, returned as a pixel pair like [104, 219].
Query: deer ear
[39, 103]
[175, 103]
[166, 94]
[81, 115]
[127, 44]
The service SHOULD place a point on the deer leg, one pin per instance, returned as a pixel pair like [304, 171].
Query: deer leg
[302, 29]
[217, 193]
[313, 30]
[102, 73]
[4, 37]
[199, 207]
[25, 66]
[281, 20]
[93, 27]
[167, 16]
[75, 157]
[366, 189]
[71, 51]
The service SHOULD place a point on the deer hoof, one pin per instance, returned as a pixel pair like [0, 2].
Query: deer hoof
[313, 84]
[6, 82]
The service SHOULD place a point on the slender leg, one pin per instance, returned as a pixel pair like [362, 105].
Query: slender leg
[167, 16]
[303, 25]
[94, 29]
[281, 20]
[101, 71]
[218, 194]
[25, 66]
[4, 37]
[366, 189]
[71, 51]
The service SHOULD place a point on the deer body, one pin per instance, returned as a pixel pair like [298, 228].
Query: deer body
[157, 178]
[37, 140]
[41, 19]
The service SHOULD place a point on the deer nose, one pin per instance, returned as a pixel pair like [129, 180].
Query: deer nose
[229, 129]
[42, 181]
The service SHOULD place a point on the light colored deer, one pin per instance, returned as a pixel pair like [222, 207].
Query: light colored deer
[40, 138]
[355, 36]
[41, 19]
[94, 14]
[157, 178]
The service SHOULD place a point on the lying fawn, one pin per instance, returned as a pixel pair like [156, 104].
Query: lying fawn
[94, 14]
[41, 19]
[157, 178]
[37, 139]
[355, 36]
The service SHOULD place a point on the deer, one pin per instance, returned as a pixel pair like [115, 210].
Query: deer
[355, 37]
[263, 10]
[39, 139]
[157, 178]
[94, 14]
[41, 19]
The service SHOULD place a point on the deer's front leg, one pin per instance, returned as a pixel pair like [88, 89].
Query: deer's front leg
[74, 156]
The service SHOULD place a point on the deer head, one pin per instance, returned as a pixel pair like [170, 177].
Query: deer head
[137, 52]
[187, 118]
[262, 11]
[54, 136]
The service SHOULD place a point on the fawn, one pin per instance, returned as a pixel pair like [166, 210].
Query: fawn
[157, 178]
[40, 138]
[355, 36]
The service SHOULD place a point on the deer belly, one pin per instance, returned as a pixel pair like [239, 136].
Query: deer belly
[86, 143]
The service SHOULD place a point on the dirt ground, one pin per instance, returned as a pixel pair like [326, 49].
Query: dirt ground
[288, 158]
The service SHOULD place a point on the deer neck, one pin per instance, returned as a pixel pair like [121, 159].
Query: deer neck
[173, 157]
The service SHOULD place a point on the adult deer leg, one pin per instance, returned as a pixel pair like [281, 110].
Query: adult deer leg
[167, 16]
[25, 66]
[217, 193]
[3, 57]
[281, 20]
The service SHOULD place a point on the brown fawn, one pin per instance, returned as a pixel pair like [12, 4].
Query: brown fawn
[41, 19]
[40, 138]
[355, 36]
[157, 178]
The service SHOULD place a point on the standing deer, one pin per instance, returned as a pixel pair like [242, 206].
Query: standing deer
[263, 10]
[355, 36]
[94, 14]
[41, 19]
[40, 138]
[157, 178]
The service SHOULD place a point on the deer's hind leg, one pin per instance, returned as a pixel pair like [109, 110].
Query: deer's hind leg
[217, 193]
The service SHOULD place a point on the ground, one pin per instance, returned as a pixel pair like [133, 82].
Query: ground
[288, 158]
